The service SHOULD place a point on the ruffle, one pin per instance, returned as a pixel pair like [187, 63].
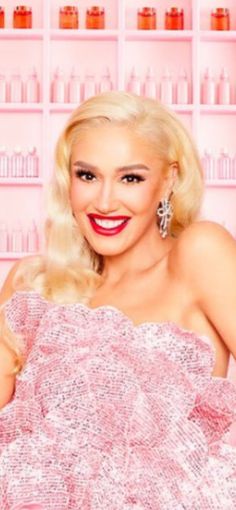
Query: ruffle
[108, 416]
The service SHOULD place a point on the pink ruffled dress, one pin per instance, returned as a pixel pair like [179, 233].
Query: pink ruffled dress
[111, 416]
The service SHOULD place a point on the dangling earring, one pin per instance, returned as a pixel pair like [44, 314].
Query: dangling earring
[165, 213]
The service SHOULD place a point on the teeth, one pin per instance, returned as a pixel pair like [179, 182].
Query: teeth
[109, 223]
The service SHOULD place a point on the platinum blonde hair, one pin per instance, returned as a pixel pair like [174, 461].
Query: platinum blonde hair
[71, 270]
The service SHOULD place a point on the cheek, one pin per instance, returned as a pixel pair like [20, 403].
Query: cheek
[79, 198]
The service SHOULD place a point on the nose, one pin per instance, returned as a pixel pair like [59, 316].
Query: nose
[106, 200]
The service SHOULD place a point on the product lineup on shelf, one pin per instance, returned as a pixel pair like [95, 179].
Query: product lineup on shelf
[19, 240]
[72, 90]
[220, 167]
[216, 92]
[168, 91]
[19, 165]
[17, 90]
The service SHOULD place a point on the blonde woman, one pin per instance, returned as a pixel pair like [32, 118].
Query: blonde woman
[115, 343]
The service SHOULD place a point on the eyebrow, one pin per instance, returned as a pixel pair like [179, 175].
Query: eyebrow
[136, 166]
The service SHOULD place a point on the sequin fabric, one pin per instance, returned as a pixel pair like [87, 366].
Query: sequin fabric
[111, 416]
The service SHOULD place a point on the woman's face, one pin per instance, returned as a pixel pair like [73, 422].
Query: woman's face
[117, 183]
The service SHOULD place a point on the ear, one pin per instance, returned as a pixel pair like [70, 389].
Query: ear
[171, 178]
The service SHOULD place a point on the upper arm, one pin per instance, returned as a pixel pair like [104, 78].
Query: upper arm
[207, 254]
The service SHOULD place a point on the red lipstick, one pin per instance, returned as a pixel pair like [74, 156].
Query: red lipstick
[106, 231]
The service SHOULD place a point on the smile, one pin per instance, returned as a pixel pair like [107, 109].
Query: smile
[108, 226]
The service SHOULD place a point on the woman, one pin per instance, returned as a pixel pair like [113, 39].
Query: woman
[121, 333]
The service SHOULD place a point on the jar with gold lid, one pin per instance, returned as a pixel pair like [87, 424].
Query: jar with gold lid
[95, 17]
[220, 19]
[22, 16]
[68, 17]
[174, 18]
[147, 18]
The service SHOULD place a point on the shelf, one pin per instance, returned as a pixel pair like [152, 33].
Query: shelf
[84, 34]
[221, 183]
[159, 35]
[218, 108]
[14, 33]
[21, 107]
[24, 181]
[217, 35]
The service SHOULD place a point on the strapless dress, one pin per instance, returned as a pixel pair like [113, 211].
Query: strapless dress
[111, 416]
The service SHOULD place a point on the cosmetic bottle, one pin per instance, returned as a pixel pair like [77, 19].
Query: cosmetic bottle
[17, 163]
[4, 162]
[74, 89]
[32, 239]
[182, 88]
[3, 88]
[58, 87]
[167, 87]
[224, 87]
[4, 238]
[174, 19]
[233, 167]
[224, 165]
[105, 84]
[134, 84]
[147, 18]
[16, 88]
[89, 86]
[32, 163]
[22, 16]
[95, 17]
[68, 17]
[208, 88]
[150, 87]
[32, 87]
[209, 165]
[220, 19]
[17, 239]
[2, 17]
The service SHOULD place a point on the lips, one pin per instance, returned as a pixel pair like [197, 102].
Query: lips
[105, 229]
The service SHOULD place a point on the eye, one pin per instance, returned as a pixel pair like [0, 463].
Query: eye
[84, 175]
[133, 178]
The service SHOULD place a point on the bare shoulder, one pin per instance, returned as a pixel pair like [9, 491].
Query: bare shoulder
[8, 287]
[202, 249]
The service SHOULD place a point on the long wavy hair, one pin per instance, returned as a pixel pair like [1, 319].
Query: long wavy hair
[70, 270]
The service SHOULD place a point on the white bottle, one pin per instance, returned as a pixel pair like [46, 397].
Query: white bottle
[32, 239]
[3, 88]
[17, 163]
[105, 84]
[182, 88]
[150, 87]
[32, 163]
[224, 87]
[32, 87]
[167, 87]
[4, 162]
[209, 165]
[16, 88]
[58, 87]
[17, 240]
[134, 84]
[4, 238]
[224, 165]
[89, 86]
[208, 88]
[74, 89]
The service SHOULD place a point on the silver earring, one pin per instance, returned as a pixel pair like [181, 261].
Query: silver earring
[165, 213]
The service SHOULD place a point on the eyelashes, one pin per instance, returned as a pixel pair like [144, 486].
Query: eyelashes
[130, 178]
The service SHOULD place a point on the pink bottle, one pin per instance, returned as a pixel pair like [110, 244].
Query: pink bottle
[17, 163]
[209, 165]
[16, 88]
[32, 87]
[167, 87]
[150, 88]
[105, 84]
[209, 88]
[182, 88]
[224, 165]
[32, 239]
[32, 163]
[4, 162]
[89, 86]
[17, 240]
[224, 87]
[58, 87]
[4, 238]
[3, 88]
[134, 84]
[74, 90]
